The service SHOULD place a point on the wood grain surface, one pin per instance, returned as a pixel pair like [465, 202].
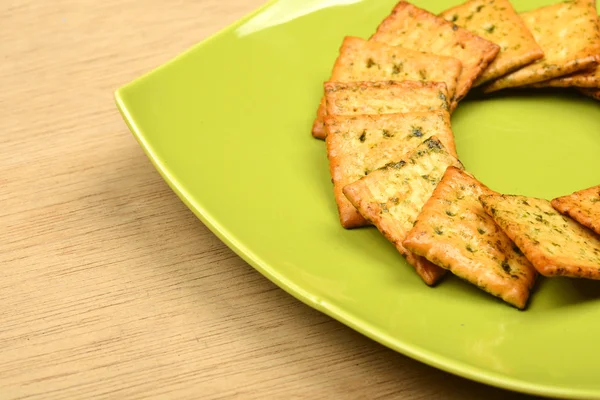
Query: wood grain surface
[109, 287]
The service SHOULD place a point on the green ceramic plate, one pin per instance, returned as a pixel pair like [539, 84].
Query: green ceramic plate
[227, 124]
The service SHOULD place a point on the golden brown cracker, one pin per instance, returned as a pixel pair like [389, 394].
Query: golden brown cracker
[392, 197]
[359, 98]
[555, 245]
[454, 232]
[362, 60]
[498, 22]
[414, 28]
[359, 144]
[583, 206]
[569, 35]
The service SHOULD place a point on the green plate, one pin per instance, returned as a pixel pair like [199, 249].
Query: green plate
[227, 124]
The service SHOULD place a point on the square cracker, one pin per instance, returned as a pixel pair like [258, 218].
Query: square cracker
[554, 244]
[355, 98]
[569, 35]
[359, 144]
[454, 232]
[498, 22]
[392, 197]
[414, 28]
[362, 60]
[583, 206]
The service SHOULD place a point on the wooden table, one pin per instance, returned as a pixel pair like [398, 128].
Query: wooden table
[109, 287]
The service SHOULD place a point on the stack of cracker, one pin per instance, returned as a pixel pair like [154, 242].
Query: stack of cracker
[386, 107]
[385, 116]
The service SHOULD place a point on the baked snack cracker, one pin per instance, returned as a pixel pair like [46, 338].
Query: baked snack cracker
[498, 22]
[414, 28]
[362, 60]
[583, 206]
[568, 34]
[359, 144]
[454, 232]
[392, 197]
[554, 244]
[354, 98]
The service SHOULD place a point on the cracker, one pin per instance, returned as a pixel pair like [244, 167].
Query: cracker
[498, 22]
[454, 232]
[569, 35]
[357, 145]
[593, 93]
[583, 206]
[392, 197]
[355, 98]
[554, 244]
[362, 60]
[414, 28]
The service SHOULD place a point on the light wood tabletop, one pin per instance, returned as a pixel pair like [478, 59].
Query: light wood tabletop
[110, 288]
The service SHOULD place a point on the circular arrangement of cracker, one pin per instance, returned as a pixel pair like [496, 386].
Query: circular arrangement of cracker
[535, 141]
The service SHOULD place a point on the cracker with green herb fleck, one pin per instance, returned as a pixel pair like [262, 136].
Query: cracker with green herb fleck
[362, 60]
[356, 98]
[359, 144]
[593, 93]
[454, 232]
[414, 28]
[583, 206]
[391, 197]
[555, 245]
[569, 35]
[498, 22]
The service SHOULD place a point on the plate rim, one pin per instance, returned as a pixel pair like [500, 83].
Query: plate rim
[420, 354]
